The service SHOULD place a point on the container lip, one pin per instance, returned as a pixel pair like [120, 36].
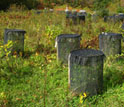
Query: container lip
[86, 53]
[14, 30]
[121, 14]
[110, 34]
[65, 36]
[122, 26]
[68, 36]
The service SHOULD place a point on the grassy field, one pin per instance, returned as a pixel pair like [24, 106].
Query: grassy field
[37, 80]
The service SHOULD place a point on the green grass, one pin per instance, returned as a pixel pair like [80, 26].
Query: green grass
[38, 80]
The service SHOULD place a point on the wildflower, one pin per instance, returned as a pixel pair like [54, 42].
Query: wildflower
[1, 46]
[82, 97]
[49, 61]
[6, 45]
[89, 46]
[2, 95]
[36, 53]
[14, 56]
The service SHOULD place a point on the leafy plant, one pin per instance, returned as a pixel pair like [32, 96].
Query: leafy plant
[52, 32]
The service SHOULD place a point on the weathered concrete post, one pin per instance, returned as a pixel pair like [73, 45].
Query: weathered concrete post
[17, 37]
[74, 17]
[68, 17]
[81, 16]
[122, 26]
[110, 43]
[122, 31]
[121, 17]
[85, 73]
[65, 44]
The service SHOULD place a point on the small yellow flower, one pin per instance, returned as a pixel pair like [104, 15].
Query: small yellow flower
[14, 56]
[89, 46]
[49, 61]
[85, 95]
[1, 46]
[6, 45]
[36, 53]
[82, 97]
[2, 95]
[81, 101]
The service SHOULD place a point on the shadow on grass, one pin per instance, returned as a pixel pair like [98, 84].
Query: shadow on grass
[27, 54]
[44, 49]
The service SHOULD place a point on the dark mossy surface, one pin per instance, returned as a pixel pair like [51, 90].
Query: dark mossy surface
[86, 72]
[17, 37]
[66, 44]
[110, 43]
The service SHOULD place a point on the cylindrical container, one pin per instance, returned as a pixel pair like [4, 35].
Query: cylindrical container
[85, 73]
[65, 44]
[17, 37]
[112, 19]
[121, 17]
[83, 12]
[38, 11]
[68, 17]
[74, 17]
[68, 14]
[105, 18]
[110, 43]
[122, 31]
[81, 17]
[122, 26]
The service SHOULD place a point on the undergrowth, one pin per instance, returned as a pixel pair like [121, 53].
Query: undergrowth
[37, 79]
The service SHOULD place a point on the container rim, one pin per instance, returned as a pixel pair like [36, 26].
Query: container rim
[86, 53]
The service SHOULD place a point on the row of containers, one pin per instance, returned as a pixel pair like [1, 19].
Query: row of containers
[85, 66]
[80, 16]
